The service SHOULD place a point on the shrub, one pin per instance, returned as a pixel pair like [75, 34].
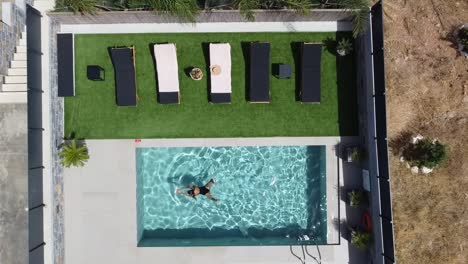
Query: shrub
[357, 198]
[358, 154]
[77, 6]
[73, 154]
[463, 37]
[361, 239]
[344, 47]
[186, 9]
[426, 152]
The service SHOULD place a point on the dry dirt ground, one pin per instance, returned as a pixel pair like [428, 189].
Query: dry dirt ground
[427, 93]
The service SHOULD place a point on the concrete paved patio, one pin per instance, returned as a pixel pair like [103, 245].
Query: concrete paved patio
[100, 208]
[13, 184]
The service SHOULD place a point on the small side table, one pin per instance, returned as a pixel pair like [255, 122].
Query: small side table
[284, 71]
[95, 73]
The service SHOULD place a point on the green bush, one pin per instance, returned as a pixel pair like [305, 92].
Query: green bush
[74, 154]
[357, 198]
[463, 37]
[136, 4]
[361, 239]
[345, 45]
[187, 9]
[426, 152]
[77, 6]
[358, 154]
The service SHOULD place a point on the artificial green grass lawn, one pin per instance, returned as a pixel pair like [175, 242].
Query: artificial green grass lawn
[93, 113]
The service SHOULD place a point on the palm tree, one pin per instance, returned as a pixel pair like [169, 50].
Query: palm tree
[361, 239]
[247, 7]
[359, 8]
[73, 154]
[186, 9]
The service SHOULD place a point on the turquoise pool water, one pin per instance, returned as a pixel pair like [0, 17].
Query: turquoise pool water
[269, 195]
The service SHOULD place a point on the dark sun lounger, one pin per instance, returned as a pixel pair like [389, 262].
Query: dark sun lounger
[311, 59]
[123, 60]
[259, 72]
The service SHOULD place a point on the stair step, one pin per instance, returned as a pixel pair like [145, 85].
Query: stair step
[14, 87]
[15, 79]
[21, 49]
[13, 97]
[19, 56]
[17, 71]
[18, 64]
[22, 42]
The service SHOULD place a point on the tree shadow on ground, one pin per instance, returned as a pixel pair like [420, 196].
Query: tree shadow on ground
[398, 143]
[347, 92]
[246, 54]
[296, 52]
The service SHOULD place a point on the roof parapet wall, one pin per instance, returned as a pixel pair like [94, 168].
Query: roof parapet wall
[217, 16]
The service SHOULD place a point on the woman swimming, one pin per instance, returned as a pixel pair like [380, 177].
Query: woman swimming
[194, 190]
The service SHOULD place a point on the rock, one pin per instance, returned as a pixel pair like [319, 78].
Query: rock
[415, 139]
[407, 165]
[402, 159]
[415, 169]
[425, 170]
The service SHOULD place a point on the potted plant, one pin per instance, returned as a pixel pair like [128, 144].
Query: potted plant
[196, 74]
[73, 154]
[462, 39]
[361, 240]
[355, 154]
[344, 47]
[357, 198]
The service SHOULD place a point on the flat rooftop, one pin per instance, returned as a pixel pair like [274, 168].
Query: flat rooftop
[93, 113]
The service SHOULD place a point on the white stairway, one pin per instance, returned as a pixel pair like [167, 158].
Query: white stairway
[14, 84]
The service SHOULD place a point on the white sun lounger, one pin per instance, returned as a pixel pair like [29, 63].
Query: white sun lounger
[220, 73]
[167, 72]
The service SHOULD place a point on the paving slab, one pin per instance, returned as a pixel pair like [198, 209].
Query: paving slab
[13, 184]
[101, 209]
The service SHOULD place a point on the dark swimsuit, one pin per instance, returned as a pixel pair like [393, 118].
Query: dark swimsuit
[203, 191]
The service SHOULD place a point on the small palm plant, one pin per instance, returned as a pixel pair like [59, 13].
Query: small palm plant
[358, 154]
[73, 154]
[357, 198]
[344, 47]
[360, 239]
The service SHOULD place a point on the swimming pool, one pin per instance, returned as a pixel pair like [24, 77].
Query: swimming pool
[269, 195]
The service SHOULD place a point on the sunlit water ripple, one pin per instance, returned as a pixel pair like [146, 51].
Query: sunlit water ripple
[264, 188]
